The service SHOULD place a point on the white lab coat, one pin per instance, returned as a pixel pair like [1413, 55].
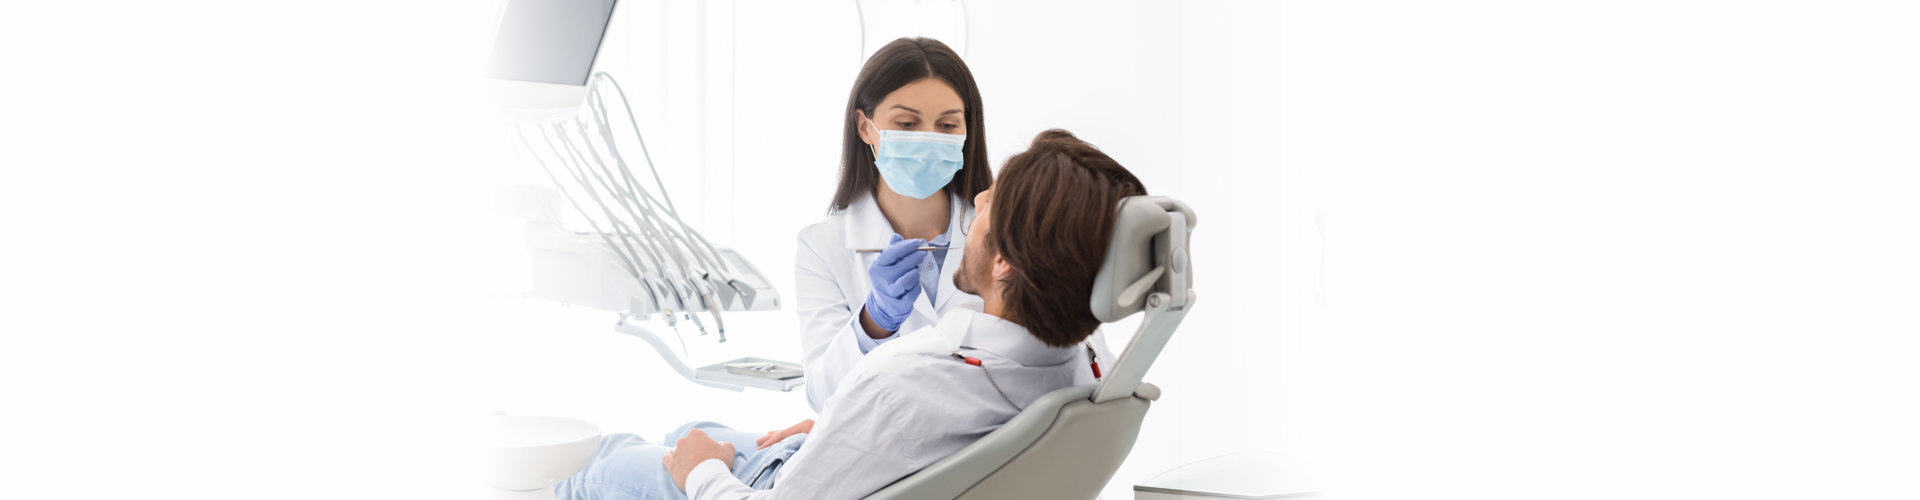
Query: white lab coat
[831, 286]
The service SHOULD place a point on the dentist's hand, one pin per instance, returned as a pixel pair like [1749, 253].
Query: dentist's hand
[895, 275]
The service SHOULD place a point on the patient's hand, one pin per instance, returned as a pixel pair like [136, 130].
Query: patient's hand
[805, 426]
[696, 447]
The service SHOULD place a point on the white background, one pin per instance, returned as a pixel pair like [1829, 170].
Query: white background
[1467, 249]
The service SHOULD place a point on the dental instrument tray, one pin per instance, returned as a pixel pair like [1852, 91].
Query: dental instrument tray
[754, 372]
[764, 369]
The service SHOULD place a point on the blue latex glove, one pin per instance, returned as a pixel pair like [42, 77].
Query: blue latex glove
[895, 275]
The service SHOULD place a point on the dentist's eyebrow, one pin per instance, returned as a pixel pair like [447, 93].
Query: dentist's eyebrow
[909, 110]
[952, 112]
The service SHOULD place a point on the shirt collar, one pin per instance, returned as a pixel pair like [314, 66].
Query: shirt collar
[1010, 340]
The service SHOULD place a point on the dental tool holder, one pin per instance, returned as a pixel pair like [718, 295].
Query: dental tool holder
[638, 258]
[578, 269]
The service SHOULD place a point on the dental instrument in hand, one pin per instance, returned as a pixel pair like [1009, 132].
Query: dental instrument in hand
[878, 250]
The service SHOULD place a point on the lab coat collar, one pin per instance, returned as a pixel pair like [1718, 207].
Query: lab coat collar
[1007, 339]
[865, 223]
[864, 220]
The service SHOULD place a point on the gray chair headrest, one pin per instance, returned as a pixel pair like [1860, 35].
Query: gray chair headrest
[1141, 258]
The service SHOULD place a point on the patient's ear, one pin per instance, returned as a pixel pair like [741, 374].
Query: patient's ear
[1001, 269]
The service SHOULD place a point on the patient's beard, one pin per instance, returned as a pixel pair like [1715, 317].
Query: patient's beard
[963, 278]
[960, 281]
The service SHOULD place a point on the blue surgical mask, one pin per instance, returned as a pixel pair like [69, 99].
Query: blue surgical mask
[918, 164]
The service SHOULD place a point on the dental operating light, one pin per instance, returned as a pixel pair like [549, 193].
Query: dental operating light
[551, 41]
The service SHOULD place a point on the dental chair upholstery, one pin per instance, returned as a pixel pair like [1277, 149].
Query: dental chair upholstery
[1068, 443]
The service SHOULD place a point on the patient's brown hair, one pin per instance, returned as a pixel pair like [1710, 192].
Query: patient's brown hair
[1051, 218]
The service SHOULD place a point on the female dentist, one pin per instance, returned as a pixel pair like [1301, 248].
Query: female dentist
[914, 155]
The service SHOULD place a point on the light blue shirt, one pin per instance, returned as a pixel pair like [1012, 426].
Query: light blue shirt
[930, 266]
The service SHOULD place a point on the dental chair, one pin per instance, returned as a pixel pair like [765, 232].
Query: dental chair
[1068, 443]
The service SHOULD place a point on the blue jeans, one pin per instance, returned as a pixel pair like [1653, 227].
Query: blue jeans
[627, 467]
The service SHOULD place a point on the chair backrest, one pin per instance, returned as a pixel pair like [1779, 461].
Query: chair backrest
[1068, 443]
[1144, 257]
[1148, 268]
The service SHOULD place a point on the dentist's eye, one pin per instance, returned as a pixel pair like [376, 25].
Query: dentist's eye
[949, 126]
[904, 124]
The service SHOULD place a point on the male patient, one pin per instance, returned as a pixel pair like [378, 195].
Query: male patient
[1040, 236]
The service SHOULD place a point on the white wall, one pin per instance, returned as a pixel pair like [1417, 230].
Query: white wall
[1658, 249]
[1609, 250]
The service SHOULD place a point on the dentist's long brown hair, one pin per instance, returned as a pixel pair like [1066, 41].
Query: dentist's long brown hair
[899, 63]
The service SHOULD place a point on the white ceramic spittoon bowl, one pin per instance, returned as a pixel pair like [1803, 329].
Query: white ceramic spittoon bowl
[532, 452]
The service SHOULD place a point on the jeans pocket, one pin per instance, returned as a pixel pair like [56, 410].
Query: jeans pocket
[763, 478]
